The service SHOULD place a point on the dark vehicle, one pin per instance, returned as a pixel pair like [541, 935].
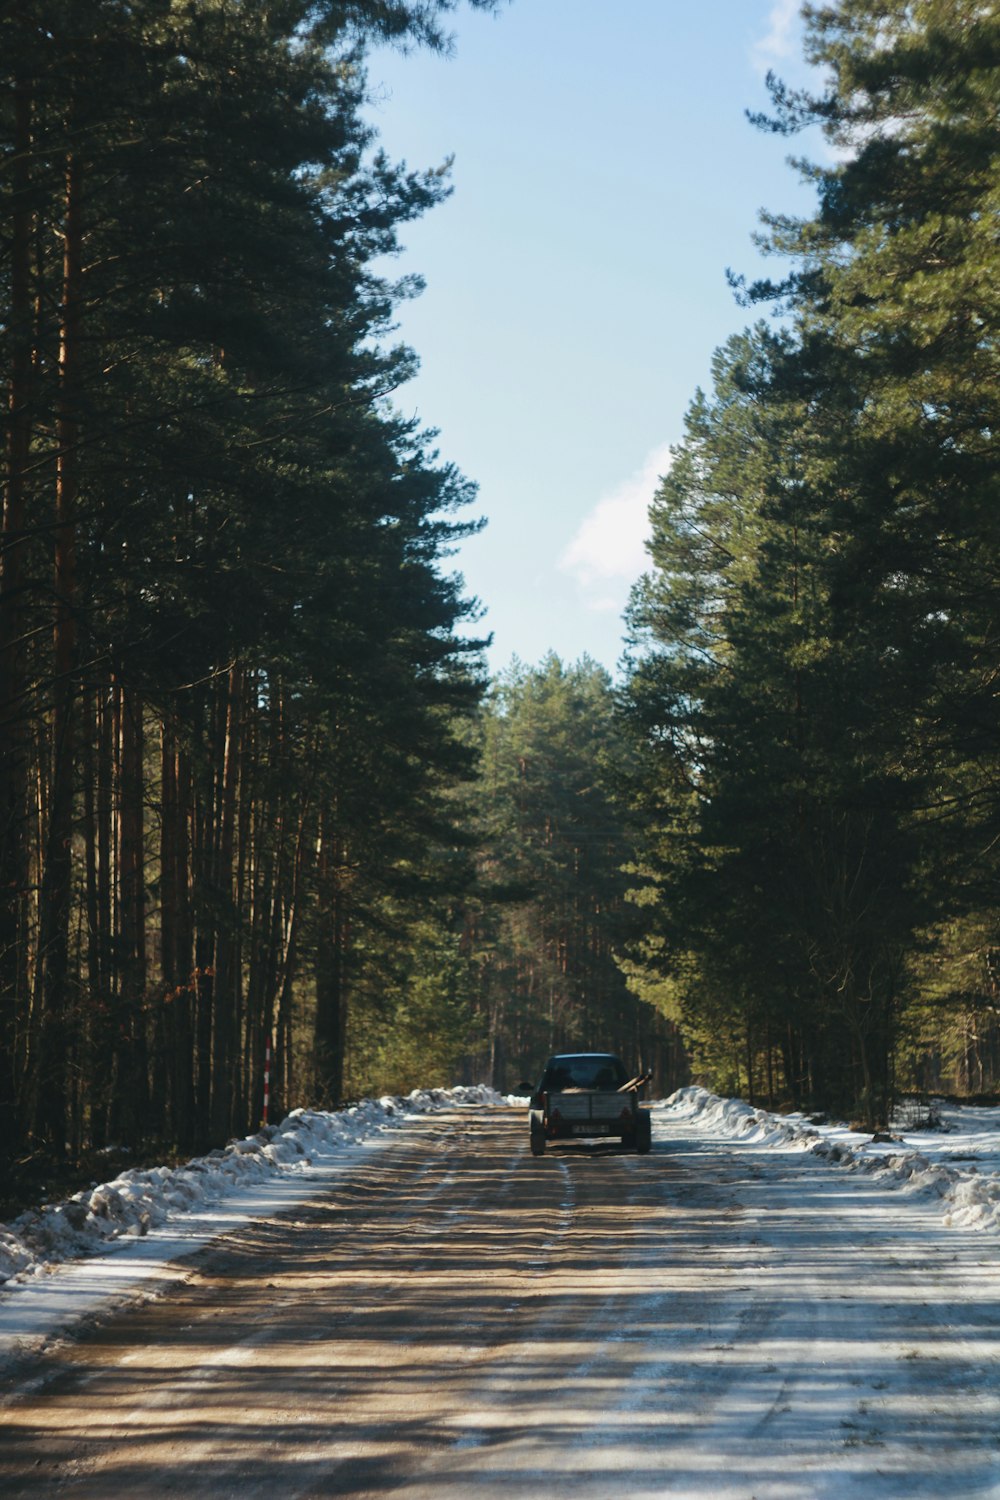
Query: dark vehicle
[589, 1094]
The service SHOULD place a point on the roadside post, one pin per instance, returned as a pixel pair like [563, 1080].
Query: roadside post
[267, 1079]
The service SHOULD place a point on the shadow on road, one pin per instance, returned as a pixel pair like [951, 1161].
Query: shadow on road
[462, 1318]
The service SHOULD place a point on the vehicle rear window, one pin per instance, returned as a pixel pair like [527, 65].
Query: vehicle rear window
[584, 1072]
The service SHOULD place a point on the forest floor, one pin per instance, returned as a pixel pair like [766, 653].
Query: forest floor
[737, 1316]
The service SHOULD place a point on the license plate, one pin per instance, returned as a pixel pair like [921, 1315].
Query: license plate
[591, 1129]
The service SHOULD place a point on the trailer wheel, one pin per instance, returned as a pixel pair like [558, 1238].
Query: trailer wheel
[643, 1133]
[537, 1142]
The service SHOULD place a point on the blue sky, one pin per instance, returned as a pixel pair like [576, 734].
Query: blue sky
[605, 176]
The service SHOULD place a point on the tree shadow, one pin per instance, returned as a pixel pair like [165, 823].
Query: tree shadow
[464, 1318]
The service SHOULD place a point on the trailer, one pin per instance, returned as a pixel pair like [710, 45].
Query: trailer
[589, 1096]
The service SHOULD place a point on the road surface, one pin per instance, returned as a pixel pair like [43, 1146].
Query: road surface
[461, 1319]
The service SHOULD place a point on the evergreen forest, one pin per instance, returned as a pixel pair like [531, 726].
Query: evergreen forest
[261, 804]
[814, 652]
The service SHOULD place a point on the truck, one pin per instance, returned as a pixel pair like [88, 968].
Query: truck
[585, 1095]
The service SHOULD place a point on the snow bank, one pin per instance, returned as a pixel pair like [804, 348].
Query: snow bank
[922, 1163]
[737, 1120]
[146, 1198]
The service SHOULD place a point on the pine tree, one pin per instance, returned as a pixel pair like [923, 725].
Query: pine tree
[222, 548]
[815, 648]
[777, 885]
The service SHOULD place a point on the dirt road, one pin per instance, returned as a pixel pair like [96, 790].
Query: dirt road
[463, 1319]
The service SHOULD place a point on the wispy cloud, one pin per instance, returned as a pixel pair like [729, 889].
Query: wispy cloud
[781, 50]
[780, 45]
[608, 554]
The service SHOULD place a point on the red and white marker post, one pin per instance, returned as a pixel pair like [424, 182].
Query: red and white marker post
[267, 1079]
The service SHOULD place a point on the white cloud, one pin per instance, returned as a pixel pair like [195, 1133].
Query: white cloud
[781, 51]
[781, 42]
[608, 554]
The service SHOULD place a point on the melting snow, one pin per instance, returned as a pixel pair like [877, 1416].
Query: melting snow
[60, 1262]
[128, 1231]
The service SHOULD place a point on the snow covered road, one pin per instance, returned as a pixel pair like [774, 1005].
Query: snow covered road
[460, 1318]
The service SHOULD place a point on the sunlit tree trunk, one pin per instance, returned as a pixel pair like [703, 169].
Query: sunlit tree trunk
[332, 931]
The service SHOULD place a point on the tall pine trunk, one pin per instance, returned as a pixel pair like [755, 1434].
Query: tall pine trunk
[330, 1025]
[131, 1039]
[58, 869]
[225, 1037]
[176, 933]
[13, 723]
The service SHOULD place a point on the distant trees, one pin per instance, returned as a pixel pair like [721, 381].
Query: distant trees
[231, 674]
[813, 683]
[500, 937]
[549, 921]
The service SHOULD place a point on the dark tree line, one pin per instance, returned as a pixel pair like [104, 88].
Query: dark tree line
[813, 688]
[232, 676]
